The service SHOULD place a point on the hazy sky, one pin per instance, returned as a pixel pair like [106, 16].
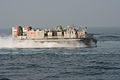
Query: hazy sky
[48, 13]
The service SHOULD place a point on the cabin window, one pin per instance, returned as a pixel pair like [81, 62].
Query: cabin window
[46, 34]
[72, 32]
[62, 33]
[54, 34]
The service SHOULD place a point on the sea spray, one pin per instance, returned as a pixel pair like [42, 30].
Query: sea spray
[9, 42]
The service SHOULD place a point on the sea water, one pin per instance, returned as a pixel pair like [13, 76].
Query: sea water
[27, 62]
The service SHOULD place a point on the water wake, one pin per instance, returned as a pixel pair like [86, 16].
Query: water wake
[9, 42]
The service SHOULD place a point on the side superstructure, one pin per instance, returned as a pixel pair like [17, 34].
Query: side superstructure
[69, 32]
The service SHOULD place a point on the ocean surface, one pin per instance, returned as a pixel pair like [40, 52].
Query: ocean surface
[27, 62]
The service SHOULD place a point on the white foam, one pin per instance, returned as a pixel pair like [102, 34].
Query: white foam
[8, 42]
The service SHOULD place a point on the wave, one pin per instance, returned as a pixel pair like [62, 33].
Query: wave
[9, 42]
[4, 79]
[108, 37]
